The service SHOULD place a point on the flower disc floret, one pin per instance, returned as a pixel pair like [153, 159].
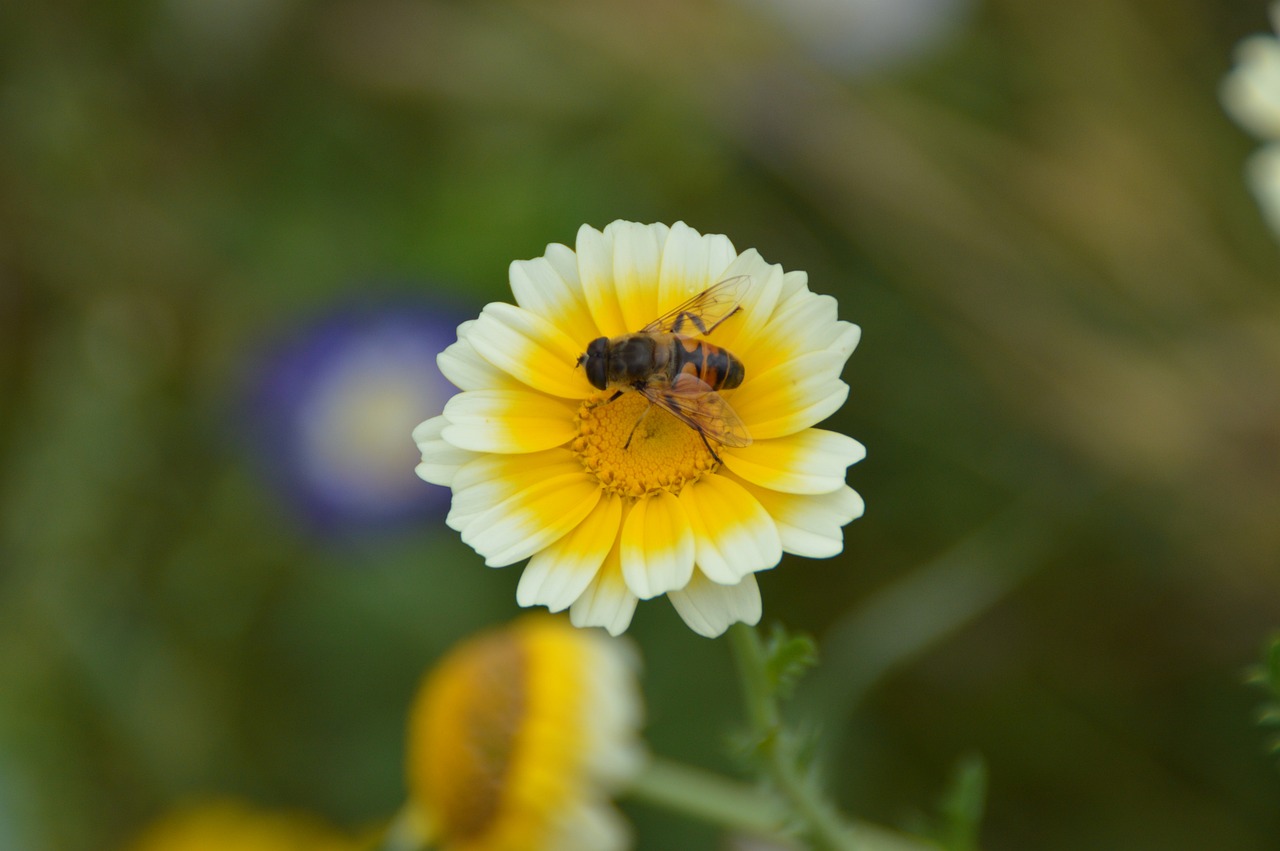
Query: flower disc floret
[613, 500]
[635, 450]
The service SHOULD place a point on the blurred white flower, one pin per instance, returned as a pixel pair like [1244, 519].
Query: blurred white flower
[1251, 94]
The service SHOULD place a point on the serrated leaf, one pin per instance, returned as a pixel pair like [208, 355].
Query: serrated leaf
[787, 658]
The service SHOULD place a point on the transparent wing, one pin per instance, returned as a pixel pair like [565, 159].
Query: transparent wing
[703, 312]
[692, 400]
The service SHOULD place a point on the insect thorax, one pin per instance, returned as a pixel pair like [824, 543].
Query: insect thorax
[633, 358]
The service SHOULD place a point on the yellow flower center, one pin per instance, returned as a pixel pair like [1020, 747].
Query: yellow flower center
[634, 448]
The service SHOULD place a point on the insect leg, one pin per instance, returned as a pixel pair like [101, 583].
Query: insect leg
[702, 434]
[639, 420]
[717, 325]
[694, 318]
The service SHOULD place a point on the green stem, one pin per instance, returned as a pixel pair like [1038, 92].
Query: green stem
[821, 823]
[708, 797]
[718, 800]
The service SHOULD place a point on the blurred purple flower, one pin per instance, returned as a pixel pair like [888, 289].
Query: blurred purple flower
[331, 406]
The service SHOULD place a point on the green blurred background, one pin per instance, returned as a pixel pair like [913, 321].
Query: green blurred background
[1069, 386]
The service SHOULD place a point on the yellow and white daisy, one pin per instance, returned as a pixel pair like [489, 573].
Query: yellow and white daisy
[519, 736]
[613, 501]
[231, 825]
[1251, 94]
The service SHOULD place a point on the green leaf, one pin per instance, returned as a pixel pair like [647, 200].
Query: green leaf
[1267, 675]
[963, 804]
[787, 658]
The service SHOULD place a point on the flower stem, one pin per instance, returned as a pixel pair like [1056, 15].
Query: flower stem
[708, 797]
[718, 800]
[820, 821]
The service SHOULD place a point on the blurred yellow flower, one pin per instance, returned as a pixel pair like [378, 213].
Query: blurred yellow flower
[614, 499]
[228, 825]
[518, 737]
[1251, 94]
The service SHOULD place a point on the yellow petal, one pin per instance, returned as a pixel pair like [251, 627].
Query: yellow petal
[557, 575]
[539, 515]
[595, 268]
[507, 421]
[733, 534]
[809, 461]
[657, 546]
[791, 396]
[531, 349]
[487, 480]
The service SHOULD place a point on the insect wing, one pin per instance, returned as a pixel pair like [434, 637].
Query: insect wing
[692, 400]
[701, 313]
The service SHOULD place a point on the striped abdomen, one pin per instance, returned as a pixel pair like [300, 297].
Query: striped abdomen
[715, 366]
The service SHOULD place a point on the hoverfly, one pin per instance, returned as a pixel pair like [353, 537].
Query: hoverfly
[675, 371]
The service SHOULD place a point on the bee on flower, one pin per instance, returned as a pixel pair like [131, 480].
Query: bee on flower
[642, 422]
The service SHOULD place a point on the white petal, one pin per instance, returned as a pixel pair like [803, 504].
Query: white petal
[691, 262]
[441, 460]
[637, 256]
[589, 826]
[462, 365]
[1251, 92]
[710, 608]
[811, 525]
[607, 602]
[758, 301]
[1264, 180]
[540, 288]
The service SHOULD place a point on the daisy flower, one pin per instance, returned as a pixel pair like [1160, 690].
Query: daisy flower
[228, 825]
[519, 735]
[1251, 94]
[612, 498]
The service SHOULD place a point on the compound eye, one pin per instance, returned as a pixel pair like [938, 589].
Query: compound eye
[596, 361]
